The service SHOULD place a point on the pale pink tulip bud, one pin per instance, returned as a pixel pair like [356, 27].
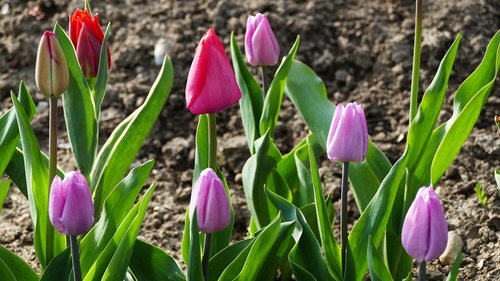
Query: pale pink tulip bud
[51, 71]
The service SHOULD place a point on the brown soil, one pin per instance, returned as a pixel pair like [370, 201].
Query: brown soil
[361, 49]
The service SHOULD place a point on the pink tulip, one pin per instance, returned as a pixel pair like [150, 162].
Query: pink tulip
[211, 85]
[261, 46]
[211, 203]
[51, 70]
[425, 231]
[348, 136]
[71, 210]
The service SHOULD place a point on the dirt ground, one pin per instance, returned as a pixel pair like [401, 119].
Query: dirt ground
[361, 49]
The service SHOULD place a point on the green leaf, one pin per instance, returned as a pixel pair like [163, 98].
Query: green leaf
[455, 268]
[60, 268]
[116, 209]
[113, 260]
[255, 173]
[120, 150]
[15, 170]
[274, 97]
[79, 113]
[194, 267]
[424, 122]
[467, 105]
[330, 246]
[308, 93]
[102, 75]
[303, 196]
[252, 100]
[4, 190]
[150, 263]
[219, 262]
[373, 222]
[48, 242]
[378, 269]
[481, 196]
[14, 268]
[305, 258]
[267, 251]
[9, 132]
[497, 178]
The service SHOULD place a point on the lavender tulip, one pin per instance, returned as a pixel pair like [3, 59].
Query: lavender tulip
[348, 137]
[71, 210]
[261, 46]
[425, 231]
[211, 202]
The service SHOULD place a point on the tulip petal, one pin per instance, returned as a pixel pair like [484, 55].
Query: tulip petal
[438, 237]
[78, 213]
[415, 232]
[57, 199]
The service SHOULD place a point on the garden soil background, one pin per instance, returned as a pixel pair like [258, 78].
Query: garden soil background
[361, 49]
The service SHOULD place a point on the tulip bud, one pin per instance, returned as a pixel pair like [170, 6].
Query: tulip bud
[348, 137]
[261, 46]
[71, 210]
[51, 72]
[211, 203]
[425, 231]
[211, 85]
[86, 35]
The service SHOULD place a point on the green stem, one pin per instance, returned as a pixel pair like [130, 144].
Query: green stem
[263, 79]
[212, 142]
[421, 271]
[77, 272]
[52, 167]
[206, 254]
[343, 214]
[416, 60]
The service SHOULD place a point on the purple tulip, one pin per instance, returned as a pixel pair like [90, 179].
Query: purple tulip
[211, 202]
[348, 137]
[425, 231]
[261, 46]
[71, 210]
[211, 84]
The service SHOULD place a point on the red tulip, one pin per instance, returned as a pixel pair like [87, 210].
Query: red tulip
[86, 35]
[211, 85]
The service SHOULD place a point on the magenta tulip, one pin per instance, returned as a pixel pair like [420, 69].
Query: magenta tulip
[51, 70]
[425, 231]
[71, 210]
[348, 137]
[211, 203]
[261, 46]
[211, 84]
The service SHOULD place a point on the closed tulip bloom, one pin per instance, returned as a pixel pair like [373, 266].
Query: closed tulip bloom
[348, 137]
[425, 231]
[71, 210]
[211, 84]
[261, 46]
[51, 71]
[86, 35]
[211, 203]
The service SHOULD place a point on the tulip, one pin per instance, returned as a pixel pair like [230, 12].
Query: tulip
[211, 203]
[51, 74]
[211, 84]
[86, 35]
[425, 231]
[71, 210]
[348, 136]
[261, 46]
